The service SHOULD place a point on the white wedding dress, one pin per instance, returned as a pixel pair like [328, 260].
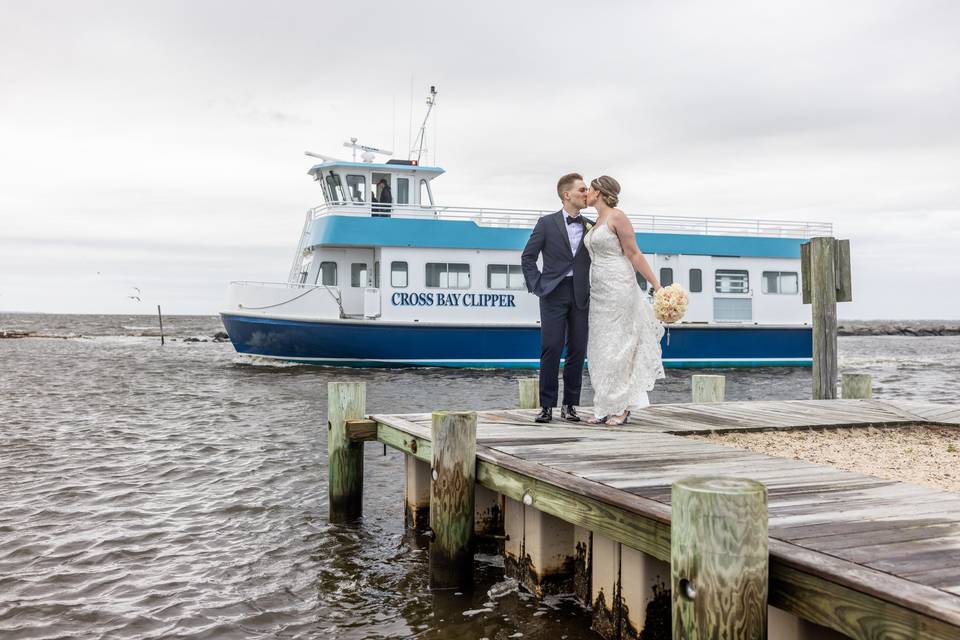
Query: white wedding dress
[623, 348]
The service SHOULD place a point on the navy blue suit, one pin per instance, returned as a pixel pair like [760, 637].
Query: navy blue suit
[564, 303]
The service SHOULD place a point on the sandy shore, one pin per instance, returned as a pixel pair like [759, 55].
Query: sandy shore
[922, 455]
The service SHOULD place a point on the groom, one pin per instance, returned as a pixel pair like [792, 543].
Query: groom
[564, 291]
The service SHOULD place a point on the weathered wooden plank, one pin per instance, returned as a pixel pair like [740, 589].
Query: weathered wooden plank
[842, 268]
[644, 533]
[416, 446]
[799, 532]
[361, 430]
[869, 534]
[851, 611]
[900, 552]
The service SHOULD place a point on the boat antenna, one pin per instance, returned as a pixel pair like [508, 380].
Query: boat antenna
[431, 103]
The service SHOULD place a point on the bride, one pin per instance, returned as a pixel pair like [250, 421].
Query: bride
[623, 345]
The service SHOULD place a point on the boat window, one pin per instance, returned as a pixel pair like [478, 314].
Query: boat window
[448, 276]
[666, 276]
[426, 198]
[328, 274]
[785, 282]
[357, 186]
[403, 191]
[733, 309]
[323, 188]
[696, 280]
[376, 274]
[358, 274]
[732, 281]
[398, 275]
[505, 276]
[642, 282]
[335, 187]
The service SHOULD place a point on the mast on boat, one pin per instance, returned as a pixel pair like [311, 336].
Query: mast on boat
[421, 136]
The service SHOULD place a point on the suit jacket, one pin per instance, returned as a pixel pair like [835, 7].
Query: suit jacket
[550, 239]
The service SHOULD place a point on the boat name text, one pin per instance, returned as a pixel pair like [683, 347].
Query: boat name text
[452, 300]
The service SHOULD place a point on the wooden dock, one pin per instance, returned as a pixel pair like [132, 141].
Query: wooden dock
[866, 557]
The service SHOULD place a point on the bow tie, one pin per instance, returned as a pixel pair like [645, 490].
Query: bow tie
[577, 220]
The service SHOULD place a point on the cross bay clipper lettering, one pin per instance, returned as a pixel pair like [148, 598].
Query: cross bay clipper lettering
[452, 300]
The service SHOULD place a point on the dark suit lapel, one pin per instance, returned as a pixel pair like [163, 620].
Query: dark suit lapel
[559, 217]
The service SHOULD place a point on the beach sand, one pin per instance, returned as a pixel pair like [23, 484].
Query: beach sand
[919, 454]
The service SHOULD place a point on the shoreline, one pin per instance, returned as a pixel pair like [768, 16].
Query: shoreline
[898, 328]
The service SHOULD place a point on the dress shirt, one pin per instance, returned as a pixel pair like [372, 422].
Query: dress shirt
[575, 233]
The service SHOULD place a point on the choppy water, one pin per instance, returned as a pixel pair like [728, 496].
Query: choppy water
[179, 491]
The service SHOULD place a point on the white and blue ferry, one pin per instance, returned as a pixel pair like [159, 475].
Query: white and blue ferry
[415, 283]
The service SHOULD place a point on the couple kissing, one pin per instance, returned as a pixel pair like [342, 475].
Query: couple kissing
[591, 306]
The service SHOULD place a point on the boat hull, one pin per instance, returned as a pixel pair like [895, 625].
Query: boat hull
[378, 344]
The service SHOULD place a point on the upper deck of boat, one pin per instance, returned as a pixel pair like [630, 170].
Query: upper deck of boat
[527, 218]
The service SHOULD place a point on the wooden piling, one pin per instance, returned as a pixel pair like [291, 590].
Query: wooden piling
[856, 386]
[823, 292]
[708, 388]
[345, 401]
[417, 494]
[529, 393]
[454, 455]
[719, 559]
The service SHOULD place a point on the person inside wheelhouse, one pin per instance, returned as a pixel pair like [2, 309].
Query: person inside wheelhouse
[383, 199]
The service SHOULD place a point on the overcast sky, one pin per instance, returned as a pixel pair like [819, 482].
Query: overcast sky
[160, 145]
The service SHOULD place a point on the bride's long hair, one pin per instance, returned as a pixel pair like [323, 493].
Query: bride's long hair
[609, 189]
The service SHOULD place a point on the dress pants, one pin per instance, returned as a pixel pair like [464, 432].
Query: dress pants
[561, 322]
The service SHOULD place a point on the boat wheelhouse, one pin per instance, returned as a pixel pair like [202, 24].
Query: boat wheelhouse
[385, 276]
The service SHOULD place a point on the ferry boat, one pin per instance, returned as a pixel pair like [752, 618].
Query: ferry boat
[412, 282]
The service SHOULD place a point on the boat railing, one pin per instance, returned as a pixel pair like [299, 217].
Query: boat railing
[282, 285]
[296, 291]
[643, 223]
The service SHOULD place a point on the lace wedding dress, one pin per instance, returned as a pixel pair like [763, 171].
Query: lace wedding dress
[623, 348]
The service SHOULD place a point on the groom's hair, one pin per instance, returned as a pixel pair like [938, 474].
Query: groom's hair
[566, 182]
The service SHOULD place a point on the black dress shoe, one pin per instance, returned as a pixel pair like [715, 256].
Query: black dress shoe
[569, 413]
[545, 415]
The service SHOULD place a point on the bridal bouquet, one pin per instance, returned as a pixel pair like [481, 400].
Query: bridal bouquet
[670, 303]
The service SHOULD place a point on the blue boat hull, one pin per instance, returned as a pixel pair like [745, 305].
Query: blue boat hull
[375, 344]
